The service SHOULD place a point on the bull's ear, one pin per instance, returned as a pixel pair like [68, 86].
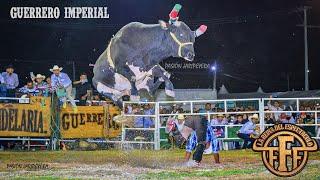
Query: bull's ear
[163, 25]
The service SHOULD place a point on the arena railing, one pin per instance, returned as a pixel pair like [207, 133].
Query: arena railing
[226, 108]
[223, 108]
[143, 138]
[23, 138]
[295, 105]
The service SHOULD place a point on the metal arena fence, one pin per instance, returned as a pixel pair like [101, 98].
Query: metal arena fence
[65, 126]
[290, 109]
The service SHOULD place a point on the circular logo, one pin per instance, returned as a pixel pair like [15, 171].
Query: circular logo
[284, 149]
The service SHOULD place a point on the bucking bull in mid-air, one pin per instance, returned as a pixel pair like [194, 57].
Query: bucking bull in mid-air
[131, 61]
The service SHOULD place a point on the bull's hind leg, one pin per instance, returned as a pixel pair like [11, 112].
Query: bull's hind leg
[111, 85]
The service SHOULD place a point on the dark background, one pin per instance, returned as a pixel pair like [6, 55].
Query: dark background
[255, 42]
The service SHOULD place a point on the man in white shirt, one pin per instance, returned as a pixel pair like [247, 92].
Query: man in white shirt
[275, 107]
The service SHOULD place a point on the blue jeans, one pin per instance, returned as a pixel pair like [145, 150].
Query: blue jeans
[3, 90]
[246, 138]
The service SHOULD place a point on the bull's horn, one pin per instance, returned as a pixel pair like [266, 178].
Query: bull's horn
[174, 14]
[202, 29]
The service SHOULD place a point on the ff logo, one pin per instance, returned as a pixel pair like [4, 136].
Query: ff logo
[285, 149]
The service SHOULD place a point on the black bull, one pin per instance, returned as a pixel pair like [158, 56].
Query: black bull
[131, 61]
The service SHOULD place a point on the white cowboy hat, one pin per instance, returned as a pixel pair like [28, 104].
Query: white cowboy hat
[181, 117]
[56, 67]
[40, 76]
[255, 116]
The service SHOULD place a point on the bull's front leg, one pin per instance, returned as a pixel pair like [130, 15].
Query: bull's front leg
[163, 76]
[127, 73]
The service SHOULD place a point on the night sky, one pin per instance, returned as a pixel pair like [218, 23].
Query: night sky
[255, 43]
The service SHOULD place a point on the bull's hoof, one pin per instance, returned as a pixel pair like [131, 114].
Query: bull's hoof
[170, 93]
[120, 119]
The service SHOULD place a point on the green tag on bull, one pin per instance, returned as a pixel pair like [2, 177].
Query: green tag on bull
[177, 7]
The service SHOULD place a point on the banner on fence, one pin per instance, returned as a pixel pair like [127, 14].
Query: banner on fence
[26, 119]
[88, 122]
[112, 129]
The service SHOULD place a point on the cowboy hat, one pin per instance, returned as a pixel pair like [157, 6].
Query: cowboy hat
[220, 115]
[56, 67]
[255, 116]
[181, 117]
[39, 76]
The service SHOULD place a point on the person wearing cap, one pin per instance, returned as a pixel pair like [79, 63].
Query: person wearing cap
[11, 81]
[247, 130]
[41, 85]
[61, 81]
[220, 120]
[179, 122]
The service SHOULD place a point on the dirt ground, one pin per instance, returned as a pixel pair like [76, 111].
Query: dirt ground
[143, 164]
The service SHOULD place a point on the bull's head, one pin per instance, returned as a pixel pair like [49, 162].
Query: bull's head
[181, 35]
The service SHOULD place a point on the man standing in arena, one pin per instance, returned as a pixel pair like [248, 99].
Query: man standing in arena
[211, 139]
[198, 124]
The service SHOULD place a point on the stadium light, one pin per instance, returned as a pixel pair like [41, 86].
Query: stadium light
[213, 68]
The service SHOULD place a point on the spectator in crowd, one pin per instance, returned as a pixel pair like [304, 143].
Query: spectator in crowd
[208, 107]
[286, 118]
[96, 100]
[83, 88]
[41, 85]
[62, 85]
[11, 80]
[29, 90]
[220, 120]
[268, 119]
[179, 122]
[306, 118]
[48, 80]
[248, 130]
[144, 122]
[3, 88]
[239, 120]
[275, 107]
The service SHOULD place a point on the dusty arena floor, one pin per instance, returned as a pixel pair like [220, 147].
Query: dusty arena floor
[165, 164]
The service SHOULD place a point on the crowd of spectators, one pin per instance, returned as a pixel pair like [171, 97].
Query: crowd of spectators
[218, 119]
[39, 85]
